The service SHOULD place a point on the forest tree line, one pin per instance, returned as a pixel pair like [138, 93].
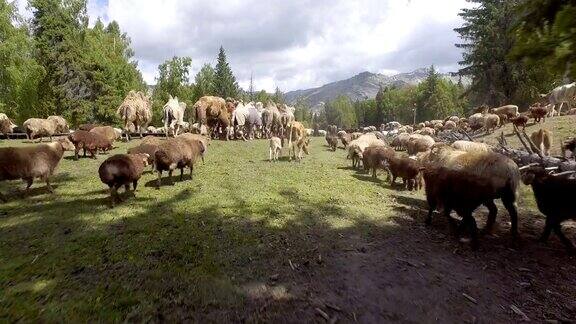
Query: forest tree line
[55, 63]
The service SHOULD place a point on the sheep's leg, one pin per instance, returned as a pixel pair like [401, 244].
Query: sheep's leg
[431, 208]
[473, 230]
[547, 230]
[76, 150]
[159, 181]
[170, 177]
[116, 187]
[29, 182]
[374, 173]
[127, 187]
[191, 170]
[135, 184]
[112, 196]
[511, 207]
[270, 155]
[47, 179]
[492, 212]
[181, 173]
[84, 150]
[563, 238]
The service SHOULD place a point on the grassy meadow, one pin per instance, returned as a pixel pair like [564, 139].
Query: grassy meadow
[217, 247]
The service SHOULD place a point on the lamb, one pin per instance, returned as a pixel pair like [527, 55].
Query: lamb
[275, 148]
[419, 143]
[30, 162]
[122, 170]
[92, 142]
[177, 153]
[543, 140]
[468, 146]
[107, 132]
[406, 168]
[61, 124]
[457, 190]
[356, 147]
[374, 158]
[554, 194]
[502, 172]
[39, 127]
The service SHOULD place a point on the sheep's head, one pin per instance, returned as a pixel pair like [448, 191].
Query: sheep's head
[144, 157]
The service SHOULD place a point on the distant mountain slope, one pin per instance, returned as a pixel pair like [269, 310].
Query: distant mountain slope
[360, 87]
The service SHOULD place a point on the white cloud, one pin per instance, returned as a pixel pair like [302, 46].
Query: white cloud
[291, 44]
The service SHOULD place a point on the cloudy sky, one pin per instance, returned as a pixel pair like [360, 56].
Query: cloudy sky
[293, 44]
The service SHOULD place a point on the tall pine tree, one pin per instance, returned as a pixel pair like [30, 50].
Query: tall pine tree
[225, 83]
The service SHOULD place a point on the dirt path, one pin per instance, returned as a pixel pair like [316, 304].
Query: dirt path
[419, 274]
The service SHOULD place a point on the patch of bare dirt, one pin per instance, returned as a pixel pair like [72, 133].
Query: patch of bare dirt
[422, 274]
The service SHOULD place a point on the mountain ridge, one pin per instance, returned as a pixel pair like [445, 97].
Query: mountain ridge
[362, 86]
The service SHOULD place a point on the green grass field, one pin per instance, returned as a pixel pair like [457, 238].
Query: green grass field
[215, 248]
[191, 246]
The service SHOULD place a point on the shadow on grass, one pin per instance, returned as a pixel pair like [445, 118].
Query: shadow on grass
[162, 263]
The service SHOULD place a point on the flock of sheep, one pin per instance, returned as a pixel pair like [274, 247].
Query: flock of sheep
[456, 175]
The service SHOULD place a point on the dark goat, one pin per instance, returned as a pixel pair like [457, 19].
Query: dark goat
[457, 190]
[554, 194]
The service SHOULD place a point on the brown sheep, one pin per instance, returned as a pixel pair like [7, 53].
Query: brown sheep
[195, 137]
[499, 169]
[148, 149]
[153, 140]
[457, 190]
[177, 153]
[122, 170]
[32, 162]
[374, 158]
[543, 140]
[87, 127]
[107, 131]
[520, 121]
[406, 168]
[538, 113]
[92, 142]
[39, 127]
